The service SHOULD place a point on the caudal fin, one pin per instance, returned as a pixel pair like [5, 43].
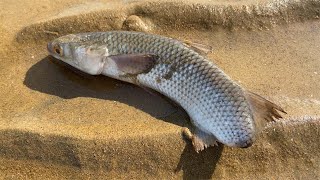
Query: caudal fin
[263, 110]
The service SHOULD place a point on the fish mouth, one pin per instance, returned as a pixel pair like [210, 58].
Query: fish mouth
[50, 50]
[49, 47]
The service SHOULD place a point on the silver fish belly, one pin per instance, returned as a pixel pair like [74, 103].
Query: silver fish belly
[219, 108]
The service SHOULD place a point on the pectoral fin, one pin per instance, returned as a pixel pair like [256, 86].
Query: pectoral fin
[133, 64]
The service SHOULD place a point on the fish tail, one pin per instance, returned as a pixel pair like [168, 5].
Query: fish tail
[264, 111]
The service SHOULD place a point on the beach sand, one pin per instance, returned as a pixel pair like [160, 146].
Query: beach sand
[58, 123]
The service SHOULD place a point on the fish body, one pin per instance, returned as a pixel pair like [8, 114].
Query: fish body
[219, 108]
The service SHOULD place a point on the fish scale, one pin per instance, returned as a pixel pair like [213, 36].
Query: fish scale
[219, 108]
[172, 91]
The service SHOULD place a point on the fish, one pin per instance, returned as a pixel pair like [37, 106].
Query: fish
[220, 110]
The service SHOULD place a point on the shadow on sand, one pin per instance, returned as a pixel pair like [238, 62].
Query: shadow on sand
[52, 77]
[199, 165]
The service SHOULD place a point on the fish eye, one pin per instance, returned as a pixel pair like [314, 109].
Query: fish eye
[57, 49]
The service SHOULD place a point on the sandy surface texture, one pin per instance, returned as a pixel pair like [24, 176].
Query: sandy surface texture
[58, 123]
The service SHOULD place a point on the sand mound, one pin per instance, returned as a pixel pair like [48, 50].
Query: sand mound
[165, 15]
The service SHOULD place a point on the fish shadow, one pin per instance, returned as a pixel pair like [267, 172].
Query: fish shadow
[56, 78]
[199, 165]
[52, 77]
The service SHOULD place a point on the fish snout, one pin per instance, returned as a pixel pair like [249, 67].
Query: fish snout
[49, 47]
[55, 50]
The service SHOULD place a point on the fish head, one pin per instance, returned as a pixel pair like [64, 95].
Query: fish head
[86, 56]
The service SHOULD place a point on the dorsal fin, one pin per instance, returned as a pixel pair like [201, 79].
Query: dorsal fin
[199, 48]
[263, 110]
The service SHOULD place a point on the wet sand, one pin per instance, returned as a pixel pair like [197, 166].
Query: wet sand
[58, 123]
